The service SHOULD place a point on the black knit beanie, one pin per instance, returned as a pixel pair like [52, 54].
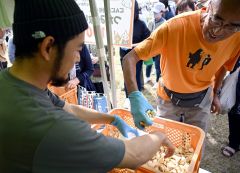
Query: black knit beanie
[36, 19]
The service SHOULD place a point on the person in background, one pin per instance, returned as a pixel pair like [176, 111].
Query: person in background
[82, 71]
[96, 77]
[234, 122]
[8, 34]
[3, 50]
[42, 133]
[192, 63]
[140, 32]
[158, 10]
[146, 15]
[169, 13]
[11, 50]
[202, 3]
[185, 6]
[172, 4]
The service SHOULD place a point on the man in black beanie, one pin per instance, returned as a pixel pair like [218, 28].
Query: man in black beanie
[38, 131]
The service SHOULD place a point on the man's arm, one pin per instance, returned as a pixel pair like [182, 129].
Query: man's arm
[216, 106]
[90, 115]
[71, 142]
[139, 104]
[129, 71]
[138, 152]
[94, 117]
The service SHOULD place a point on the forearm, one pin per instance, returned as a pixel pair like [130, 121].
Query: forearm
[129, 71]
[89, 115]
[138, 152]
[218, 80]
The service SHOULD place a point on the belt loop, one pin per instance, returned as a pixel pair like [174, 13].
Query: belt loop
[178, 101]
[182, 117]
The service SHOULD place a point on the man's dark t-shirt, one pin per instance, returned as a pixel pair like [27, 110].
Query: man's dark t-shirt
[37, 135]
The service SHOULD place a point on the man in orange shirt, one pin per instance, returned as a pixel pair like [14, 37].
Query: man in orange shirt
[197, 49]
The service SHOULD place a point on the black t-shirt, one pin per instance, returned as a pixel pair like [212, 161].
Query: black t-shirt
[37, 135]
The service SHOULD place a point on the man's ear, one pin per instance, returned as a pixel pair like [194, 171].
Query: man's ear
[47, 48]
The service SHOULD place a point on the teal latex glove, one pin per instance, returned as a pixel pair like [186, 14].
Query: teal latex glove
[140, 109]
[123, 127]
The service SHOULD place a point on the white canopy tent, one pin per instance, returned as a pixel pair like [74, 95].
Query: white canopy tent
[6, 13]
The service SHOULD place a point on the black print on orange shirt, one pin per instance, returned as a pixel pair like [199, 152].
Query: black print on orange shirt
[206, 61]
[196, 57]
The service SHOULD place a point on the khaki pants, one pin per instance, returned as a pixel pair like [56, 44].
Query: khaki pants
[197, 116]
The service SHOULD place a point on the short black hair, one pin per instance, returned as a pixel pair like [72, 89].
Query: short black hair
[28, 49]
[183, 4]
[165, 2]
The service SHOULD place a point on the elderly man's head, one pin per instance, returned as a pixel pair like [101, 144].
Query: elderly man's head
[222, 20]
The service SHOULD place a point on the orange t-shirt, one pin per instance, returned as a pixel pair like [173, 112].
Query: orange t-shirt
[188, 62]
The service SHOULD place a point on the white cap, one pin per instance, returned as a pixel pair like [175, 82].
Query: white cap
[158, 7]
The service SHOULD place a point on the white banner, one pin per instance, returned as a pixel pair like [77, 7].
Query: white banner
[122, 14]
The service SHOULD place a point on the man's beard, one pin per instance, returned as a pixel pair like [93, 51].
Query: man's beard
[58, 81]
[55, 80]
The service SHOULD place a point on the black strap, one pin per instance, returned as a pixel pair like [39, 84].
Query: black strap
[186, 99]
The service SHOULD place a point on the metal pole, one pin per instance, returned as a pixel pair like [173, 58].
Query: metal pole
[110, 51]
[100, 47]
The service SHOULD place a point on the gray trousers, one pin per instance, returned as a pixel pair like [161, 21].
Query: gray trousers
[197, 116]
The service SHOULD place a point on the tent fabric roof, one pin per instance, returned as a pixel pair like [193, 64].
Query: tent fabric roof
[6, 13]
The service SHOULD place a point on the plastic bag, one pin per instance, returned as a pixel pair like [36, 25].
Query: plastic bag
[228, 92]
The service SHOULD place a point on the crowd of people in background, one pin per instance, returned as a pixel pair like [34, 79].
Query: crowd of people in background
[147, 18]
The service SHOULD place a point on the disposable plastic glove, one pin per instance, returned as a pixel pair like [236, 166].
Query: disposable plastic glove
[123, 127]
[139, 109]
